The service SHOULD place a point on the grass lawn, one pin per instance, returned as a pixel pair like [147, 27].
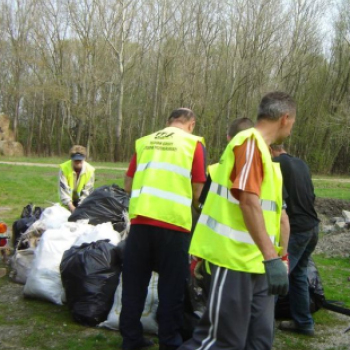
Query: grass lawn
[331, 187]
[34, 324]
[21, 185]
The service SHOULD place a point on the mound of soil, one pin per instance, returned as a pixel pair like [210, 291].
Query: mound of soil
[336, 243]
[331, 207]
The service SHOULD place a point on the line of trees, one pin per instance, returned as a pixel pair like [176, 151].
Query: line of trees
[105, 72]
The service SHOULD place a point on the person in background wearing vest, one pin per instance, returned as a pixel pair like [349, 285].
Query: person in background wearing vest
[76, 178]
[197, 268]
[165, 178]
[303, 237]
[234, 128]
[238, 233]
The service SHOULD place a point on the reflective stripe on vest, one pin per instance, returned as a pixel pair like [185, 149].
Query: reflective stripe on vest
[224, 192]
[224, 230]
[221, 235]
[165, 166]
[161, 187]
[162, 194]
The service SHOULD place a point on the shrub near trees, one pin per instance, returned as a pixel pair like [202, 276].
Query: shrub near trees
[105, 72]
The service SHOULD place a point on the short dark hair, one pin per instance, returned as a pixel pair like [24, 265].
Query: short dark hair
[278, 148]
[275, 104]
[181, 114]
[238, 125]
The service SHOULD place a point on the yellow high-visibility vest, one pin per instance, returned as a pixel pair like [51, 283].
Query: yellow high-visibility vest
[212, 168]
[161, 187]
[221, 236]
[84, 177]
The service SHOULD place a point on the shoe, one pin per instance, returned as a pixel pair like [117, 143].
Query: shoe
[290, 326]
[146, 343]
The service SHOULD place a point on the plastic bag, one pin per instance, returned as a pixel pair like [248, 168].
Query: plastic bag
[315, 286]
[105, 204]
[53, 217]
[21, 264]
[282, 308]
[148, 318]
[19, 227]
[44, 279]
[31, 238]
[29, 215]
[90, 275]
[98, 233]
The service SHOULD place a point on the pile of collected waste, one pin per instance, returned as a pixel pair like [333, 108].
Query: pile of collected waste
[77, 258]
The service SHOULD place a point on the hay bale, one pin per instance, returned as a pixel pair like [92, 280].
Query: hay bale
[4, 122]
[10, 136]
[11, 148]
[6, 134]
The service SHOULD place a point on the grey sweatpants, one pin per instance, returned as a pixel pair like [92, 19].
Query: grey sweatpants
[239, 314]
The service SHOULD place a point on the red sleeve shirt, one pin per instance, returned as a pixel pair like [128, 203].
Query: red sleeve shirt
[198, 176]
[247, 172]
[199, 164]
[132, 167]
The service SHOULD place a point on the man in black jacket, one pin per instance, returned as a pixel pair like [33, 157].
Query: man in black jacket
[303, 237]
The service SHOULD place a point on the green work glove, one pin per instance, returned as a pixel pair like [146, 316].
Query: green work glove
[277, 276]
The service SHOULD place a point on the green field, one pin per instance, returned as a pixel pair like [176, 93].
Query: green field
[332, 187]
[41, 325]
[23, 184]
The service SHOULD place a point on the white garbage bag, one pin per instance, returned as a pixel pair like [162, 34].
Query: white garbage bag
[53, 217]
[21, 264]
[99, 232]
[44, 279]
[148, 318]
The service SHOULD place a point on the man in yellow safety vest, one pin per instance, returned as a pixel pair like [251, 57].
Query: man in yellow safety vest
[238, 233]
[76, 178]
[165, 178]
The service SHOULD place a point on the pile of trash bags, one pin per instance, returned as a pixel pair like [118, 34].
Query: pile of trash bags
[77, 258]
[105, 204]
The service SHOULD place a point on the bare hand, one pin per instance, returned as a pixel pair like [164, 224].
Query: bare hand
[71, 207]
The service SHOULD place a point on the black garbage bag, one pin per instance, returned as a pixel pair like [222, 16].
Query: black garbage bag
[104, 204]
[90, 276]
[315, 286]
[29, 215]
[282, 309]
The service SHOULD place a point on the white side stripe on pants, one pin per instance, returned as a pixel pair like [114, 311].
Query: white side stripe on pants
[214, 309]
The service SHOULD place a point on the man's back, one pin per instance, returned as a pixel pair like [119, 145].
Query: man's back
[301, 197]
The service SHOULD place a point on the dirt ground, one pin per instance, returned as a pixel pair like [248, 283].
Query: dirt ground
[331, 207]
[336, 243]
